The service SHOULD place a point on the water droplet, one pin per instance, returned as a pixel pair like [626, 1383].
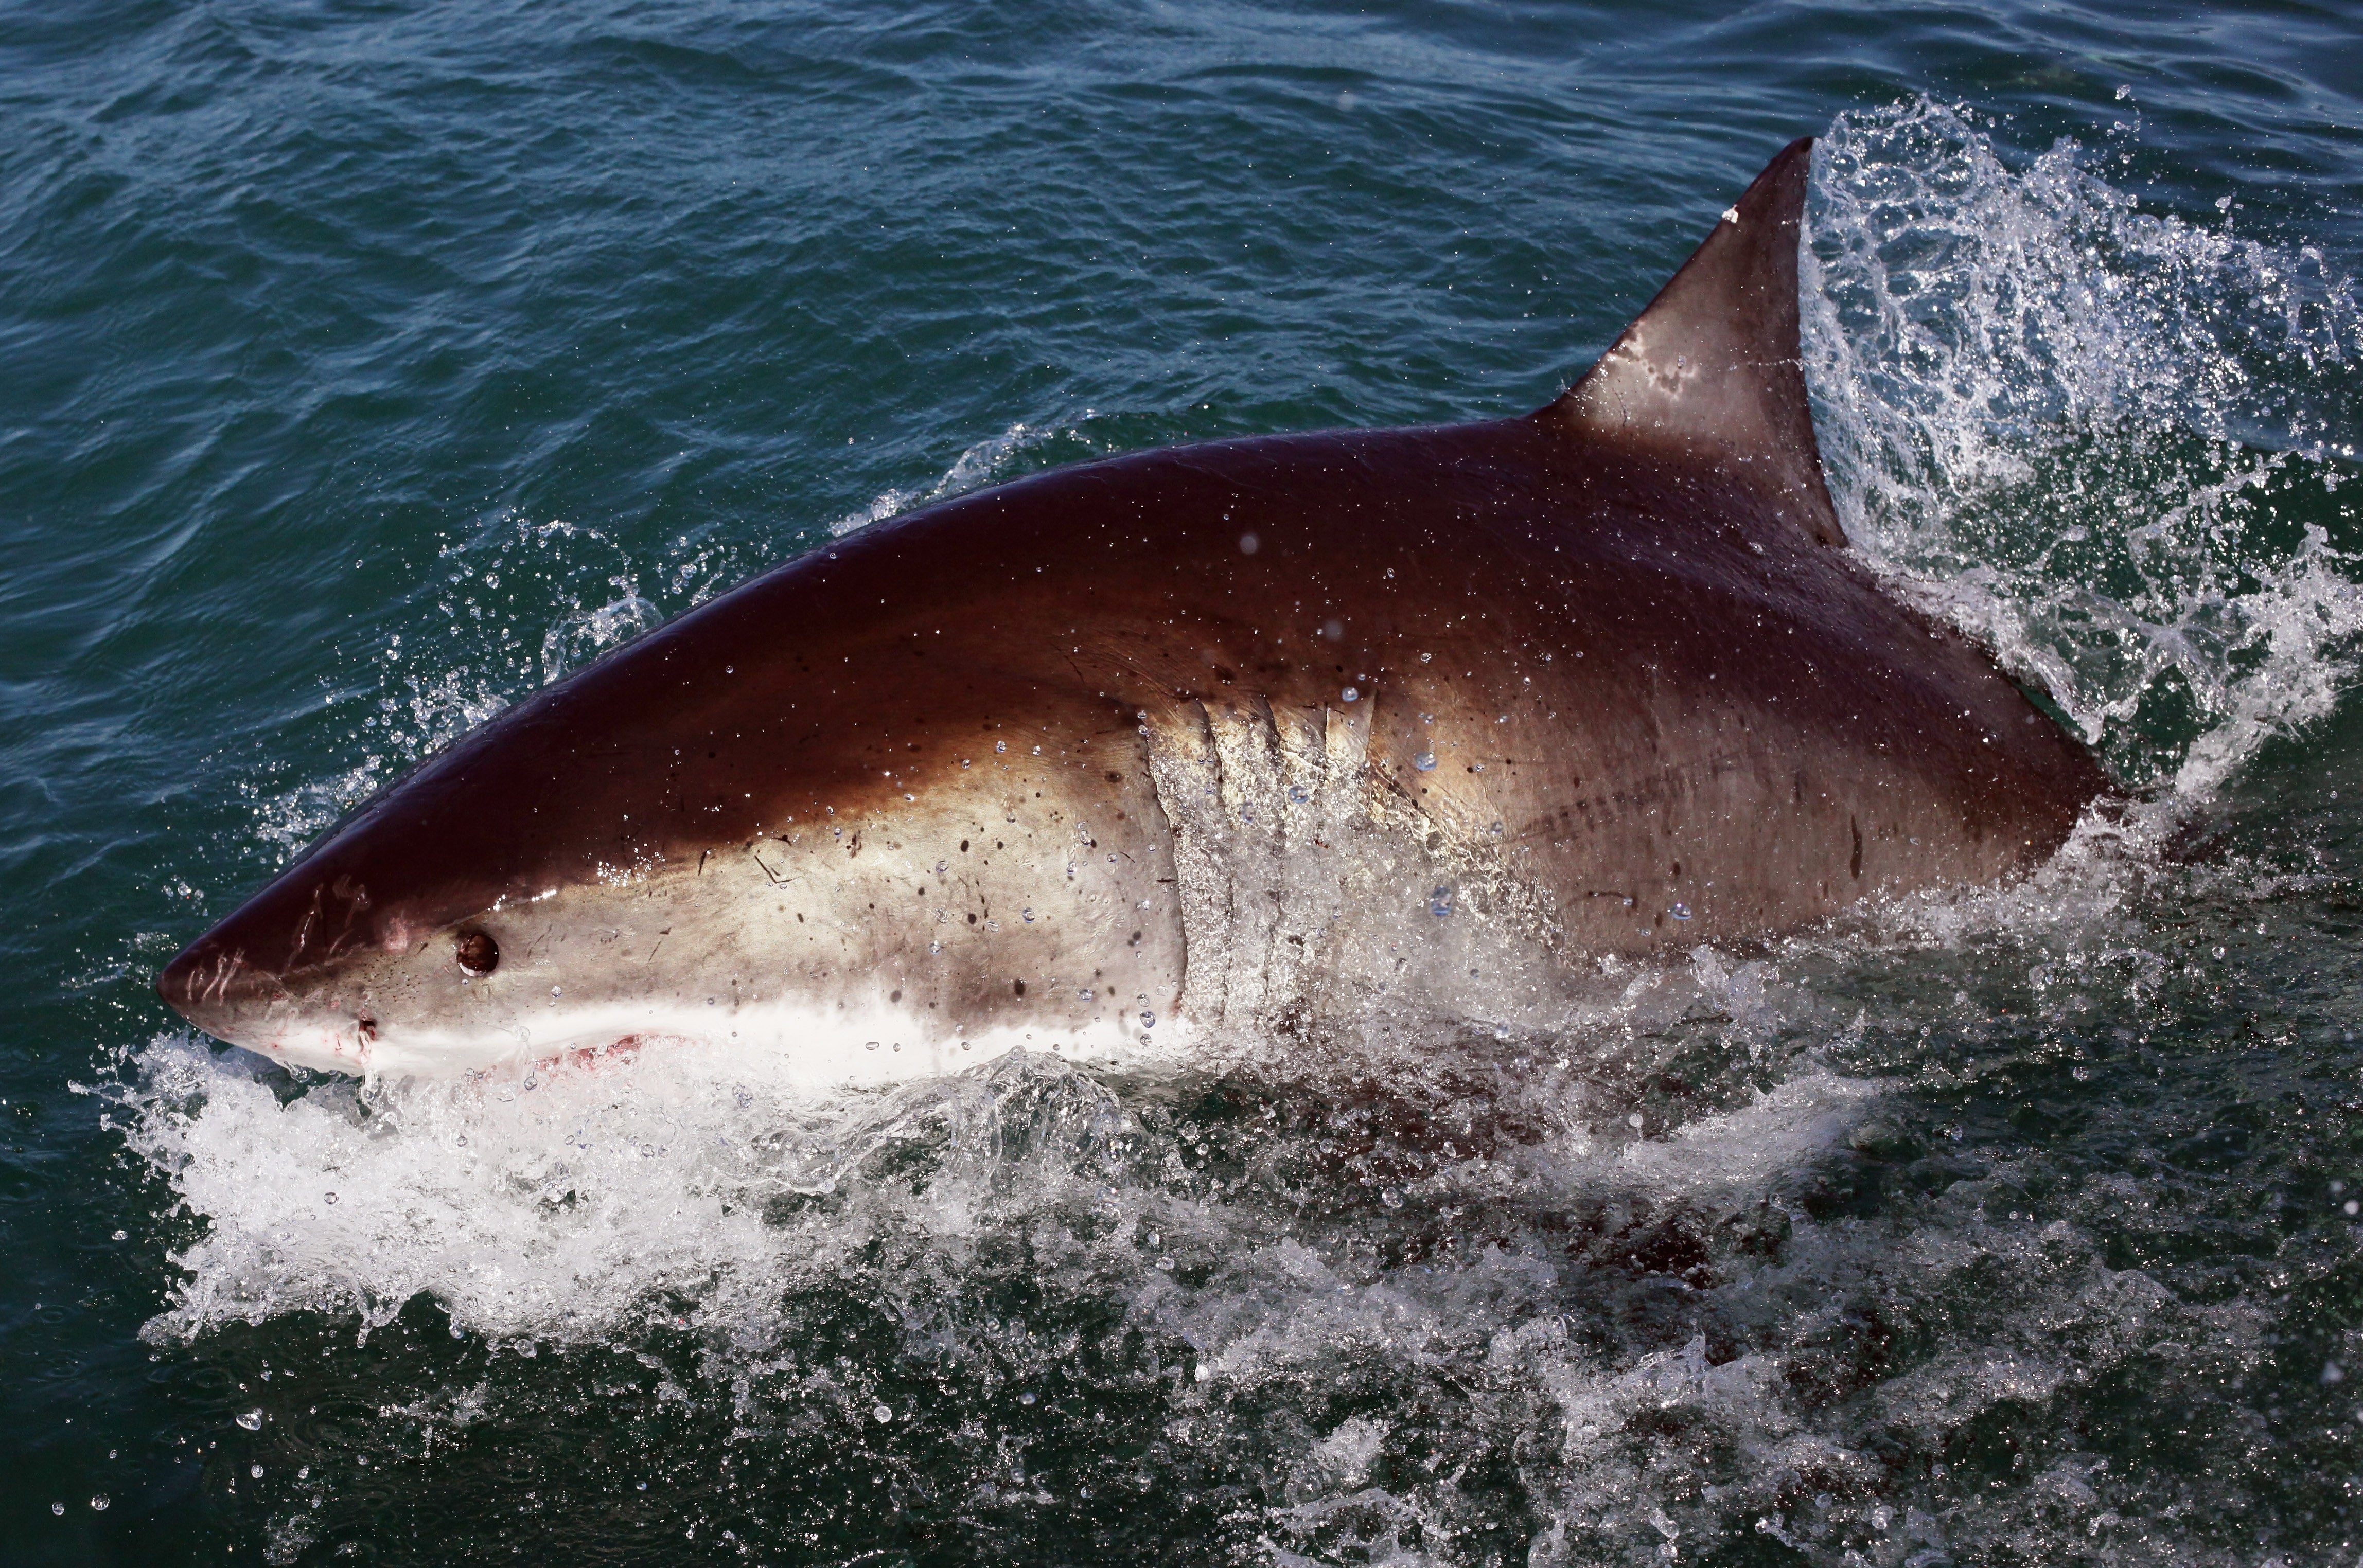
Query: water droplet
[1424, 762]
[1296, 794]
[331, 1197]
[1026, 1398]
[255, 1471]
[1148, 1021]
[98, 1502]
[1352, 695]
[1679, 912]
[870, 1045]
[250, 1419]
[1634, 1122]
[884, 1413]
[1000, 745]
[1084, 995]
[1391, 1198]
[556, 992]
[1248, 544]
[1028, 915]
[934, 948]
[57, 1507]
[120, 1235]
[1439, 902]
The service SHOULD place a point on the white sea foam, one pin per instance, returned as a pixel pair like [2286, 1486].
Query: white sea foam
[554, 1200]
[557, 1204]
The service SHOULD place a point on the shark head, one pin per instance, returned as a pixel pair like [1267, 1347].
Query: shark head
[891, 862]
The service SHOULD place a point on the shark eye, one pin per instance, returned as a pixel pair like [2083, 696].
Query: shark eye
[478, 953]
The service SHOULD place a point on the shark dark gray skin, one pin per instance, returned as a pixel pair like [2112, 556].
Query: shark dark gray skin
[1261, 736]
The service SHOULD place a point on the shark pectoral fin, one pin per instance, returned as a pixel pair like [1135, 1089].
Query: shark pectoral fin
[1711, 369]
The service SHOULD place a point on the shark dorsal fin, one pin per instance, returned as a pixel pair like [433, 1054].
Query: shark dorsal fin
[1711, 370]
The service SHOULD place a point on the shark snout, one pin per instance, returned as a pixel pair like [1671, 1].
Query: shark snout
[213, 986]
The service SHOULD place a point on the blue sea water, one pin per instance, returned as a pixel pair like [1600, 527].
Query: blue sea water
[363, 366]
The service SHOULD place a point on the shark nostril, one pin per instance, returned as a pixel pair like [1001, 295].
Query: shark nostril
[478, 953]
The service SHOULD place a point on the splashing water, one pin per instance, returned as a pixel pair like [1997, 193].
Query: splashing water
[582, 639]
[1790, 1252]
[990, 460]
[2033, 399]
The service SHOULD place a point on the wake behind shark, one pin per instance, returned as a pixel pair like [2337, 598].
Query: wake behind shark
[1261, 736]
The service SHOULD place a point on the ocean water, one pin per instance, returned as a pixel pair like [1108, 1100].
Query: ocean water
[363, 366]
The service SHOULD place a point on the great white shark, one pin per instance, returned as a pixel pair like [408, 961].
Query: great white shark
[1260, 736]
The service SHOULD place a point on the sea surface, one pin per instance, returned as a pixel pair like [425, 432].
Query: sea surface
[363, 366]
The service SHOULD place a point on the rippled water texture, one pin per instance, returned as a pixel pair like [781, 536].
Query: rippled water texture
[363, 368]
